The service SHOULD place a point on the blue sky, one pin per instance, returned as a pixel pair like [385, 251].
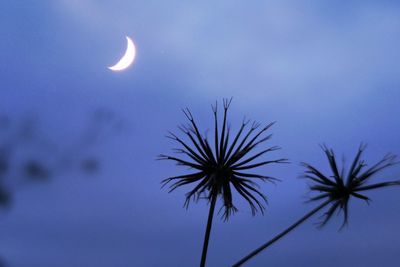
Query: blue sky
[327, 73]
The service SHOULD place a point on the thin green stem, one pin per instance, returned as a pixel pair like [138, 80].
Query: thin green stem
[208, 231]
[282, 234]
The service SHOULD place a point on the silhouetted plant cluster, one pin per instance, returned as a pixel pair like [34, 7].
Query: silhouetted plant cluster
[225, 163]
[28, 154]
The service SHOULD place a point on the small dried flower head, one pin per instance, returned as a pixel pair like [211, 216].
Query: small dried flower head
[341, 186]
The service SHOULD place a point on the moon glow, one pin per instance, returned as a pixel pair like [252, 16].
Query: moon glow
[127, 59]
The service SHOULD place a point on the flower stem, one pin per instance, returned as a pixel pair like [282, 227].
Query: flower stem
[208, 231]
[280, 235]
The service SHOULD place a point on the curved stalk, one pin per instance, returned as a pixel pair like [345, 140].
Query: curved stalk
[282, 234]
[208, 231]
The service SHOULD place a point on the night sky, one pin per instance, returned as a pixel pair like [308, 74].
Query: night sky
[326, 72]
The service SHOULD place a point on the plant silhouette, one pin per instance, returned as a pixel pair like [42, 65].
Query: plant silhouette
[336, 190]
[28, 155]
[219, 168]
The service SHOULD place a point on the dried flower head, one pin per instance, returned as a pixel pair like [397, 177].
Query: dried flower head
[341, 186]
[227, 164]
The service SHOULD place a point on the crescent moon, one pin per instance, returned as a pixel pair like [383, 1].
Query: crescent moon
[128, 58]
